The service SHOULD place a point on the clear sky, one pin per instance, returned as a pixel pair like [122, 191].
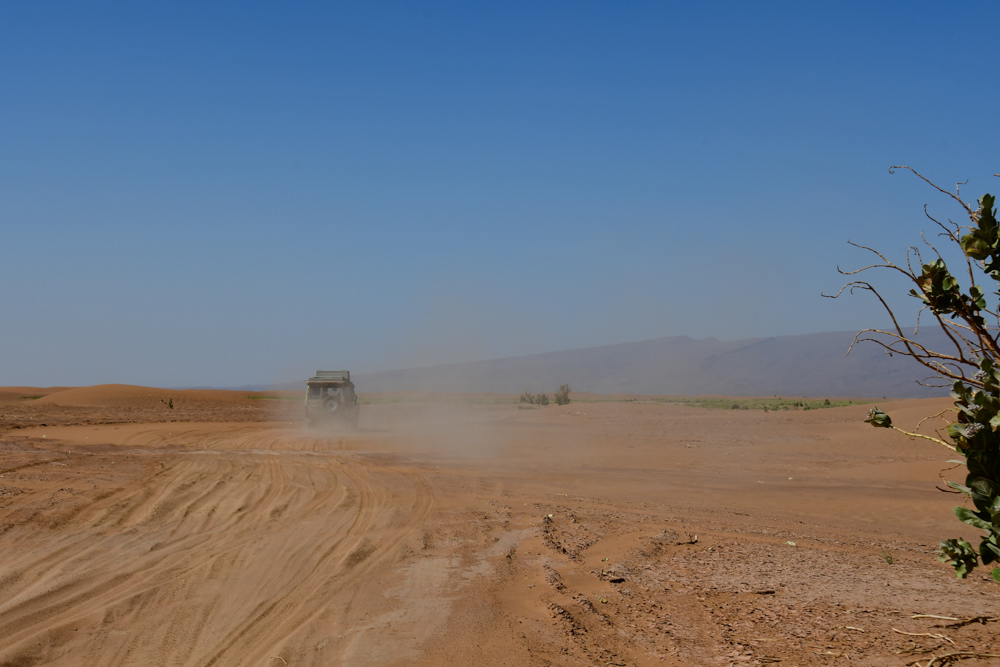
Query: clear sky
[214, 193]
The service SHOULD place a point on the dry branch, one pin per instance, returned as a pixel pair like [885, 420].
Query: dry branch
[948, 658]
[925, 634]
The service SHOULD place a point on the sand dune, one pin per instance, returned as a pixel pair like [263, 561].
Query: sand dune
[20, 394]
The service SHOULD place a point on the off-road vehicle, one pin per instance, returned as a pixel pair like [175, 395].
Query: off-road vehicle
[330, 399]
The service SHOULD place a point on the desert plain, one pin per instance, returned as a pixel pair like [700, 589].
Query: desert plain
[143, 526]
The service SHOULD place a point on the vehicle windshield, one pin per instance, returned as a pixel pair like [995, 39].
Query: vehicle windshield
[320, 391]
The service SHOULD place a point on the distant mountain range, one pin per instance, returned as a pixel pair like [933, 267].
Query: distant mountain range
[805, 365]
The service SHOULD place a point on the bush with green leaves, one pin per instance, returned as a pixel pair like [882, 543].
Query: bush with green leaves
[968, 315]
[534, 399]
[562, 396]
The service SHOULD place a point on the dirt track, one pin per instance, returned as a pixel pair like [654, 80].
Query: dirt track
[441, 533]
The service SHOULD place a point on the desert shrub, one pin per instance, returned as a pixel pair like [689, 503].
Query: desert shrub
[969, 317]
[534, 399]
[561, 397]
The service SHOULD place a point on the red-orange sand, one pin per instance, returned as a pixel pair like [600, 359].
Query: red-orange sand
[470, 532]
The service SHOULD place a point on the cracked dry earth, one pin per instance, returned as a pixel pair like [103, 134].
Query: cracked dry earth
[444, 533]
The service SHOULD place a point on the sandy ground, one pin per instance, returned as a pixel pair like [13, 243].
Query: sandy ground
[450, 532]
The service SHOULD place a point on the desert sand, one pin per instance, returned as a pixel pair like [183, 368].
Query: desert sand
[471, 530]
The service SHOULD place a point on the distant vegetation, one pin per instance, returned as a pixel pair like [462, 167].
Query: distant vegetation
[761, 403]
[764, 403]
[534, 399]
[561, 397]
[970, 365]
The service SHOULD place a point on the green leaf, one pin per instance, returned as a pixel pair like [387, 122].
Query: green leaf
[878, 419]
[982, 492]
[996, 574]
[986, 213]
[955, 431]
[959, 487]
[976, 248]
[960, 555]
[967, 516]
[988, 552]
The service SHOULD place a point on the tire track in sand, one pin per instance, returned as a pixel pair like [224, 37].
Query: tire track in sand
[227, 547]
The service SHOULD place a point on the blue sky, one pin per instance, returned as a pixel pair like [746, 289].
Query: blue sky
[229, 193]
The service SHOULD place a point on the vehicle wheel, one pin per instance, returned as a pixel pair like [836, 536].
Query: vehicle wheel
[330, 405]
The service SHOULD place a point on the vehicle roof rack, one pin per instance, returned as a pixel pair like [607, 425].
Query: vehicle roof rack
[331, 376]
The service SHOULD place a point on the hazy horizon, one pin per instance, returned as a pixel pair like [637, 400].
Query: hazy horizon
[227, 195]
